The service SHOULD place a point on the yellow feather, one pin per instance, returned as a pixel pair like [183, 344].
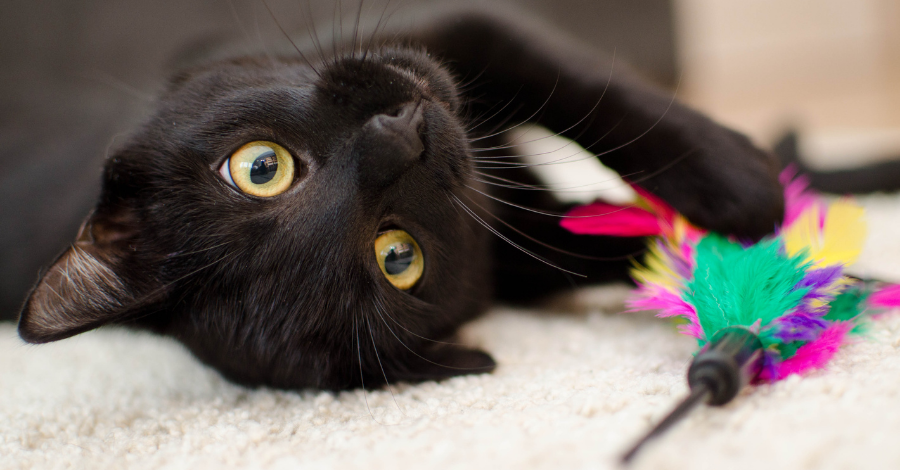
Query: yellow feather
[803, 234]
[845, 233]
[655, 270]
[839, 242]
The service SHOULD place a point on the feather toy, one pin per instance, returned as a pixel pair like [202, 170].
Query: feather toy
[760, 312]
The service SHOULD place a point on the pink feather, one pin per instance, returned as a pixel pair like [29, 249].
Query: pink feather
[812, 355]
[669, 304]
[600, 218]
[659, 207]
[886, 297]
[797, 197]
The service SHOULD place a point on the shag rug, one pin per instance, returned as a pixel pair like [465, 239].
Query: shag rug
[577, 382]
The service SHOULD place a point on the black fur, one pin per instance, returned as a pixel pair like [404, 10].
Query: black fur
[285, 291]
[876, 177]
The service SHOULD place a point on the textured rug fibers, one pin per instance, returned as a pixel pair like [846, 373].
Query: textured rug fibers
[576, 383]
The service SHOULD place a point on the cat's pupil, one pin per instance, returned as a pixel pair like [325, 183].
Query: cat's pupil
[264, 168]
[398, 259]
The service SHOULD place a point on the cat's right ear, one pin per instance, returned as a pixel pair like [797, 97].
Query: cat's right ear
[91, 284]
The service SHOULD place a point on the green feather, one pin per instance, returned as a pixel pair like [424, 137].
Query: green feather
[733, 285]
[848, 304]
[787, 350]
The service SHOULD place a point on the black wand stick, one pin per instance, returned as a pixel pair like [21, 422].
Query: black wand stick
[728, 363]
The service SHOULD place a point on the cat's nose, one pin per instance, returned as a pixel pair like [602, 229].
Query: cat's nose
[389, 143]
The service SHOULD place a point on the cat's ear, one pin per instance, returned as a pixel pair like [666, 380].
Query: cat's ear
[91, 284]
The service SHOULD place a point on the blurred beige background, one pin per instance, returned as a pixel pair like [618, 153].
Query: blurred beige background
[829, 67]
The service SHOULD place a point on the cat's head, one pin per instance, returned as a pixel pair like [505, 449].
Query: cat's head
[292, 226]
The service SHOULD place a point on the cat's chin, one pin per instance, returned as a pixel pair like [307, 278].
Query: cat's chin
[340, 369]
[443, 360]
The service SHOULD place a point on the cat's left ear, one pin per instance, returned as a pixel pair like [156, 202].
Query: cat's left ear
[92, 283]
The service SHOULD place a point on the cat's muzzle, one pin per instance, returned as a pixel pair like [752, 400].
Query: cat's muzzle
[389, 144]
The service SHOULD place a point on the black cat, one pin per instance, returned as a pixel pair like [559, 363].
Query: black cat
[318, 220]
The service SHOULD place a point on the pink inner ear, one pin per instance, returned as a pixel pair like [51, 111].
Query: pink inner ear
[600, 218]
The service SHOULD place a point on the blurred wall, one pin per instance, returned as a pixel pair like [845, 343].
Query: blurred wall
[98, 42]
[830, 68]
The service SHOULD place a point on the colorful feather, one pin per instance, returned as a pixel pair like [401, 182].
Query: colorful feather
[789, 289]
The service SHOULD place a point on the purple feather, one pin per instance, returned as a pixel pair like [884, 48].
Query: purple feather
[819, 279]
[771, 361]
[820, 283]
[679, 262]
[799, 326]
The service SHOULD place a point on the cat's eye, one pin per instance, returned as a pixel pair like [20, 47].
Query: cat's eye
[260, 168]
[399, 258]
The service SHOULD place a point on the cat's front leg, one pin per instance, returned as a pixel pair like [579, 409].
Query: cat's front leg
[713, 175]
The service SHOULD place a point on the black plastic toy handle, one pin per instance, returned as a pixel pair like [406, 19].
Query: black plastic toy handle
[729, 362]
[725, 366]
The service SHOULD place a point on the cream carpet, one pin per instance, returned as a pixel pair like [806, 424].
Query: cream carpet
[577, 382]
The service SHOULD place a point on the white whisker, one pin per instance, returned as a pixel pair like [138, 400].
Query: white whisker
[507, 240]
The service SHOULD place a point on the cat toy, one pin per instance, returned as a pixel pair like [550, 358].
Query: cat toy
[760, 312]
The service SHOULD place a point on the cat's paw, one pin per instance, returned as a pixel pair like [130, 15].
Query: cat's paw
[724, 184]
[443, 360]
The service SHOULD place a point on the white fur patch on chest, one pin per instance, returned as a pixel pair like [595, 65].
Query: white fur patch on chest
[567, 170]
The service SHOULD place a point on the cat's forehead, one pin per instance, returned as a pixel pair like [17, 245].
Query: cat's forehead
[310, 108]
[377, 77]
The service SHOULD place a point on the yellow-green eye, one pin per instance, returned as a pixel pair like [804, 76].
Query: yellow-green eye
[260, 168]
[399, 258]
